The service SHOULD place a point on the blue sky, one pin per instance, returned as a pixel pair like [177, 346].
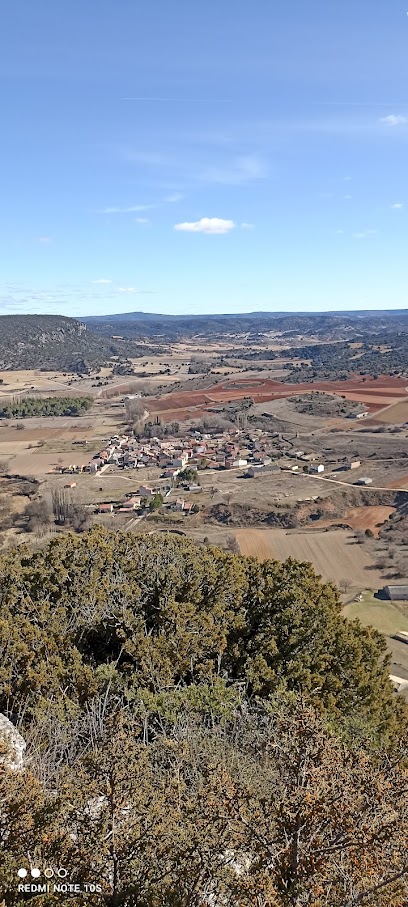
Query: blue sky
[203, 157]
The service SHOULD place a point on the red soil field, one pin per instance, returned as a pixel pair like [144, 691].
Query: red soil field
[398, 483]
[374, 393]
[361, 518]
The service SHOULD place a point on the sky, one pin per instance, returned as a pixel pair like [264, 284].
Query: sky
[201, 157]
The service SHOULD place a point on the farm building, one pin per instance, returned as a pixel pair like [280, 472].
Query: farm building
[354, 464]
[105, 508]
[131, 503]
[396, 593]
[364, 481]
[230, 463]
[317, 468]
[259, 469]
[401, 636]
[400, 684]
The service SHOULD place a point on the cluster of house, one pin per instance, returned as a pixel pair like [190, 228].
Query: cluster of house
[255, 452]
[145, 494]
[221, 450]
[127, 506]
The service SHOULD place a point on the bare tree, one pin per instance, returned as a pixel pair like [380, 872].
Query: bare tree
[68, 512]
[135, 410]
[345, 584]
[38, 514]
[60, 506]
[232, 544]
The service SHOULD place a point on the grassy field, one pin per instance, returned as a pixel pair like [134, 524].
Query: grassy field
[384, 616]
[388, 619]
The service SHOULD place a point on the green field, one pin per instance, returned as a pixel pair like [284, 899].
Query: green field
[384, 616]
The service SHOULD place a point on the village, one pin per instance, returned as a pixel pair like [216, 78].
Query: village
[179, 461]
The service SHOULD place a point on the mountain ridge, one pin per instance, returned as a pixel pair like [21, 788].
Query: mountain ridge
[57, 342]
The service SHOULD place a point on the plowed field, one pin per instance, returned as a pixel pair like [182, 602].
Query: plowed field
[395, 415]
[374, 393]
[334, 554]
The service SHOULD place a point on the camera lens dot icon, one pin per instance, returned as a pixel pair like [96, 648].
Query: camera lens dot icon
[22, 873]
[35, 872]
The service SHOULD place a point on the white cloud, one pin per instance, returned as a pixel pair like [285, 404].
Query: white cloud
[44, 240]
[214, 225]
[340, 232]
[142, 220]
[245, 226]
[128, 290]
[394, 120]
[364, 234]
[102, 280]
[398, 205]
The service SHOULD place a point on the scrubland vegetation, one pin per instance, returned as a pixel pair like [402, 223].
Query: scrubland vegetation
[201, 729]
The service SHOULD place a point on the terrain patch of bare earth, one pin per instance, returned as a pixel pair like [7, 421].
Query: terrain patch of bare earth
[396, 414]
[363, 518]
[374, 393]
[334, 554]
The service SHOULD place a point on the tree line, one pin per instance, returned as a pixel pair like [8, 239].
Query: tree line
[45, 406]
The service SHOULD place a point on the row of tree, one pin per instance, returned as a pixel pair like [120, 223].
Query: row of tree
[60, 508]
[45, 406]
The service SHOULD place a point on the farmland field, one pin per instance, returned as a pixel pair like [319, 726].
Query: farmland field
[393, 415]
[334, 554]
[375, 393]
[388, 618]
[383, 615]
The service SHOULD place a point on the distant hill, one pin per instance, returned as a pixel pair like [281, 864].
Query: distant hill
[330, 325]
[54, 342]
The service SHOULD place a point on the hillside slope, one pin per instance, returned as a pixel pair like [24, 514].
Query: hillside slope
[327, 325]
[57, 342]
